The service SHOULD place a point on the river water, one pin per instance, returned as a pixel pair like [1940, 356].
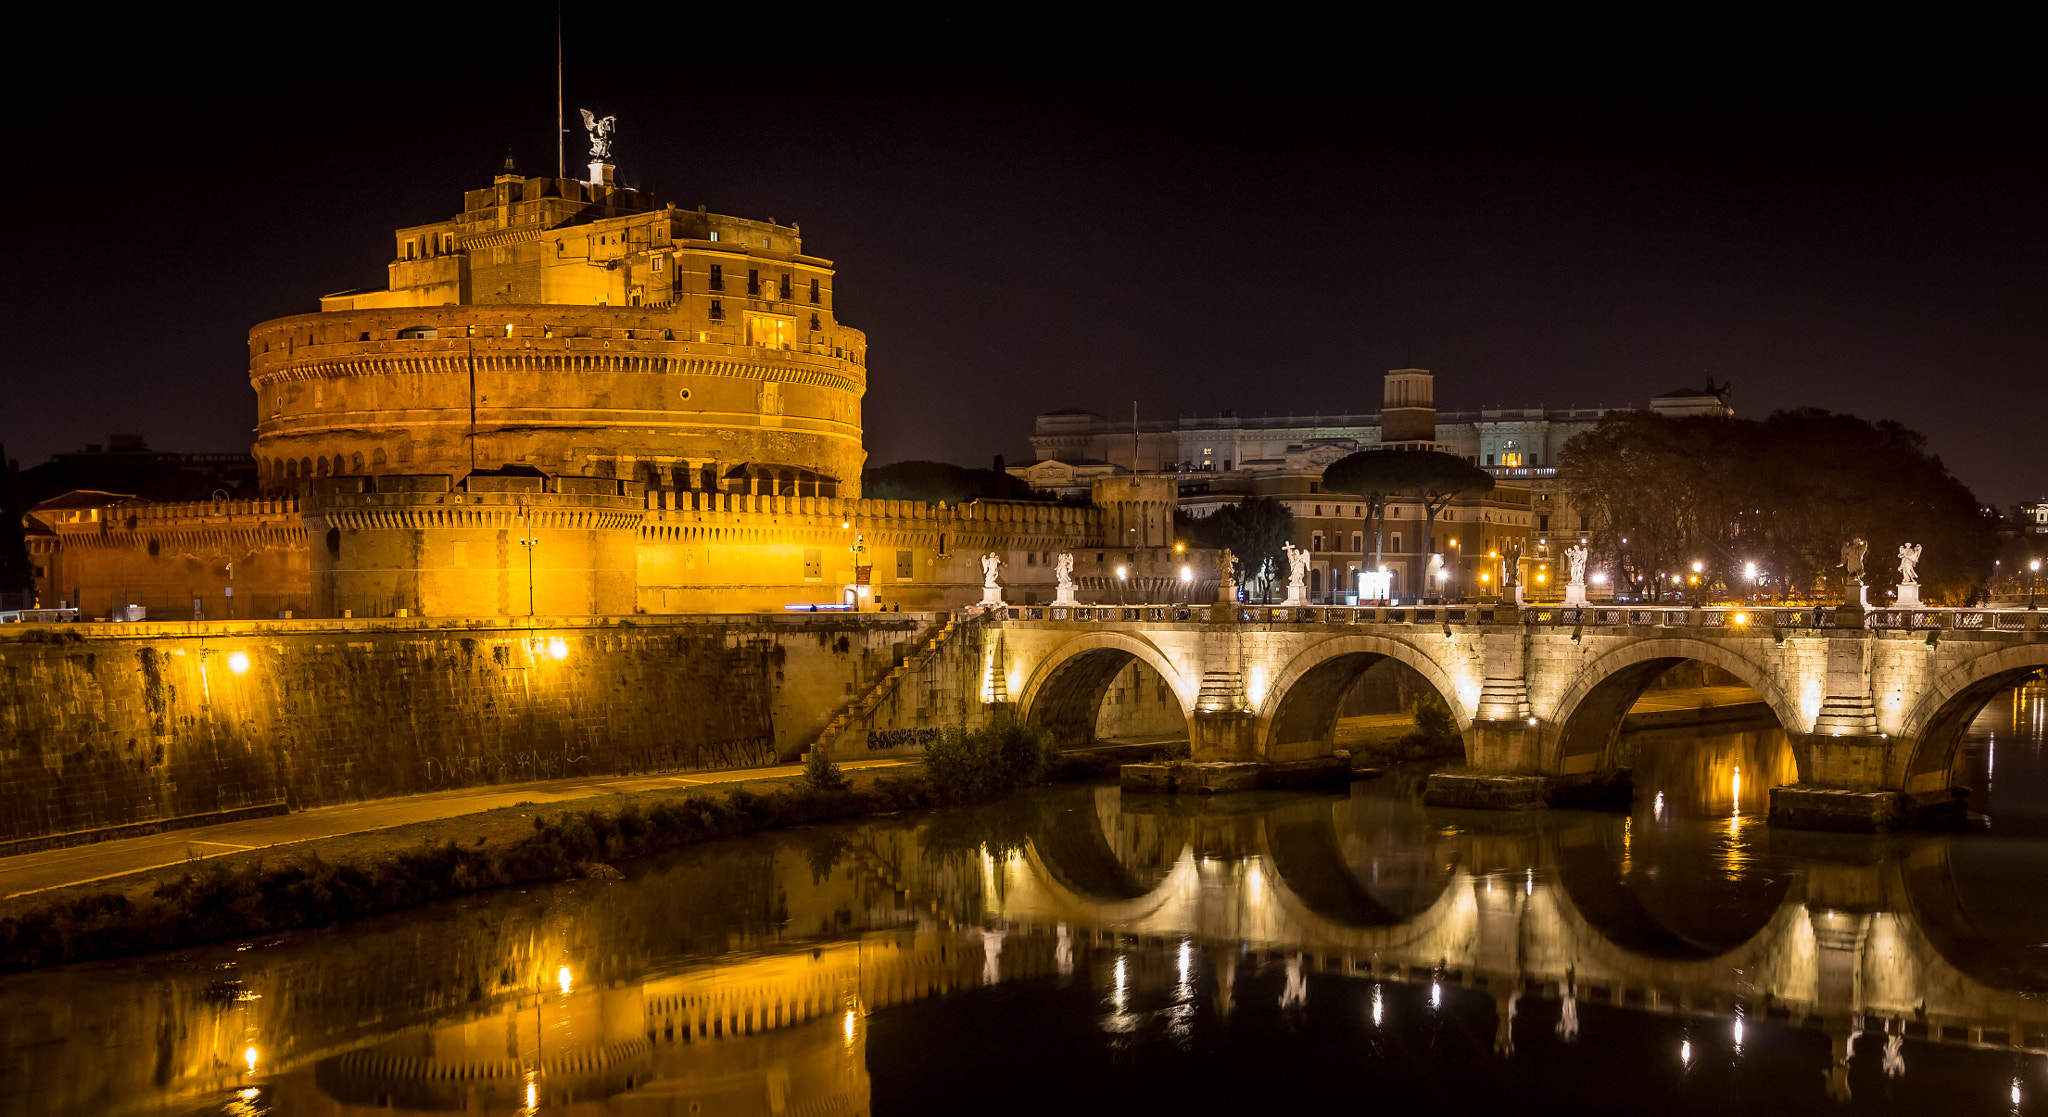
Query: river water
[1074, 950]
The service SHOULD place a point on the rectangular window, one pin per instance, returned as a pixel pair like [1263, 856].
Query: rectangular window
[1316, 542]
[1489, 459]
[903, 566]
[753, 281]
[1543, 524]
[785, 285]
[814, 565]
[814, 289]
[767, 332]
[1358, 541]
[714, 234]
[717, 311]
[410, 248]
[1512, 459]
[447, 242]
[1582, 523]
[717, 277]
[656, 263]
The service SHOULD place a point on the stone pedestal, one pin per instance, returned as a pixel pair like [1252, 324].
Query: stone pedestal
[1801, 807]
[1479, 791]
[1218, 735]
[1187, 777]
[1908, 596]
[992, 596]
[1574, 596]
[1065, 596]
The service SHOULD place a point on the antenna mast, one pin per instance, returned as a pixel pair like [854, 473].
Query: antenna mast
[561, 164]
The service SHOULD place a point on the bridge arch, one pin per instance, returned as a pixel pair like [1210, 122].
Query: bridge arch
[1580, 731]
[1300, 704]
[1064, 693]
[1931, 735]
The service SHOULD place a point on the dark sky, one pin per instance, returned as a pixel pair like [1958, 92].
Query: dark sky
[1019, 231]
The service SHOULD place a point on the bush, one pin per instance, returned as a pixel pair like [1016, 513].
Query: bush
[1433, 717]
[987, 761]
[820, 774]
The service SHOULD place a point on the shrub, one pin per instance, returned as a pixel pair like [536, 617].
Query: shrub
[820, 774]
[1005, 754]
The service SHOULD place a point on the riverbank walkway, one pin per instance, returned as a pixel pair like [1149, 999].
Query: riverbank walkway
[27, 873]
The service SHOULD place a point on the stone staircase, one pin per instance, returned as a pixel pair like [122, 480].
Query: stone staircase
[860, 708]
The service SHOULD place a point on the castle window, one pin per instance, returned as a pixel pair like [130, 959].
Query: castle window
[717, 311]
[411, 248]
[717, 277]
[447, 242]
[753, 281]
[714, 234]
[1315, 542]
[814, 289]
[1394, 542]
[418, 332]
[785, 285]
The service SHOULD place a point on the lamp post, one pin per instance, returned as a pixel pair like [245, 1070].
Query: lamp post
[1121, 574]
[1749, 575]
[2033, 580]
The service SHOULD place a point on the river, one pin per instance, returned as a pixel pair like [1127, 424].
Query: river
[1077, 950]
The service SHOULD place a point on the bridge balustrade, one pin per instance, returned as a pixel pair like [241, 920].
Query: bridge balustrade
[1545, 616]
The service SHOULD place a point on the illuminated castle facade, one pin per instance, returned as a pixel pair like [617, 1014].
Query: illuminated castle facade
[572, 399]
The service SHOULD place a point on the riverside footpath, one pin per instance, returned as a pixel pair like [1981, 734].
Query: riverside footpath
[29, 873]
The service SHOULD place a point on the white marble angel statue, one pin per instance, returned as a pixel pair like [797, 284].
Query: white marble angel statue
[1909, 564]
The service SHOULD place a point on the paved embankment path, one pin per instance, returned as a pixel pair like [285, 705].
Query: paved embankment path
[58, 868]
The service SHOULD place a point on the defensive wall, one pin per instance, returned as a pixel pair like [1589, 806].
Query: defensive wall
[510, 545]
[116, 725]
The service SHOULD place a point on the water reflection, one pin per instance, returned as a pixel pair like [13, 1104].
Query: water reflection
[1262, 950]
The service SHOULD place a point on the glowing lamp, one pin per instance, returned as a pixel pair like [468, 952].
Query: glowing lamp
[1187, 574]
[1119, 572]
[558, 647]
[238, 662]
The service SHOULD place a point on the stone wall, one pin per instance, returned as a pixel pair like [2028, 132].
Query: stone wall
[105, 725]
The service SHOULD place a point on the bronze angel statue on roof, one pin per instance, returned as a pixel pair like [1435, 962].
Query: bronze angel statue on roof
[600, 135]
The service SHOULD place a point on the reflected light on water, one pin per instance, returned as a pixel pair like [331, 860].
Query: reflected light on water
[1187, 969]
[532, 1096]
[852, 1021]
[2015, 1091]
[1379, 1007]
[563, 980]
[1737, 1029]
[1685, 1053]
[1122, 978]
[249, 1057]
[1436, 994]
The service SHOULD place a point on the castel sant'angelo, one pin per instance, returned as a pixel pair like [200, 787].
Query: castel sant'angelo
[570, 399]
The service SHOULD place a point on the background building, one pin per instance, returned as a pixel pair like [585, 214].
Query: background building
[1223, 459]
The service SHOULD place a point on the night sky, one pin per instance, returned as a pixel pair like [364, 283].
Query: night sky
[1062, 229]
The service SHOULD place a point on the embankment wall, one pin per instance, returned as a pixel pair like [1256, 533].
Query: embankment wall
[109, 725]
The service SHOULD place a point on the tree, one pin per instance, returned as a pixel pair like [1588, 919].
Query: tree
[1255, 530]
[1783, 492]
[1430, 478]
[935, 482]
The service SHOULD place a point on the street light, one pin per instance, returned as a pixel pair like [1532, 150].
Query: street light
[2033, 580]
[1120, 572]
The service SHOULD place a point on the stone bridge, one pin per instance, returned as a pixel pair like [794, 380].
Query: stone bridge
[1875, 701]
